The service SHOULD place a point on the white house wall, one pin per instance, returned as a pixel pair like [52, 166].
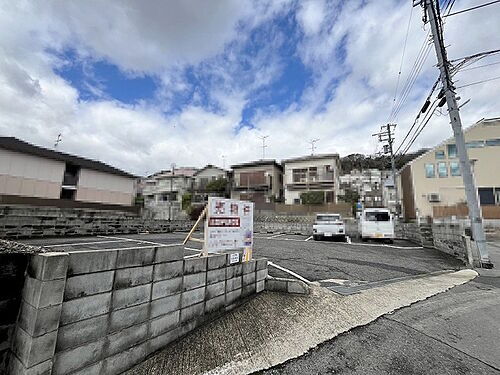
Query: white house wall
[29, 175]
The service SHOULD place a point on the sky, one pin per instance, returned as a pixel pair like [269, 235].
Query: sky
[143, 85]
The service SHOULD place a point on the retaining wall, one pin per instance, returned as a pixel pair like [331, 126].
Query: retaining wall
[26, 221]
[101, 312]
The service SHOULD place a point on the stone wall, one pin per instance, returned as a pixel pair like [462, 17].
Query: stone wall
[450, 239]
[104, 311]
[26, 221]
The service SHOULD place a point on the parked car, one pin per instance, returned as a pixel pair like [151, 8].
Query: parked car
[328, 225]
[376, 223]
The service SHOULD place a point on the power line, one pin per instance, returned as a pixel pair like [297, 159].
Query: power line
[478, 82]
[480, 66]
[401, 64]
[472, 8]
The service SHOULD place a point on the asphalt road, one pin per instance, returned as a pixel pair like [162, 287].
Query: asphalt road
[456, 332]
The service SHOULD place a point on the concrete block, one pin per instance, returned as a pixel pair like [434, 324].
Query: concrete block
[37, 322]
[234, 283]
[261, 275]
[232, 296]
[249, 278]
[48, 266]
[91, 261]
[126, 338]
[194, 280]
[297, 287]
[192, 296]
[165, 305]
[159, 342]
[192, 312]
[234, 271]
[215, 276]
[128, 277]
[169, 254]
[131, 296]
[135, 257]
[124, 360]
[167, 288]
[276, 285]
[215, 290]
[248, 290]
[195, 265]
[260, 264]
[33, 350]
[89, 284]
[17, 368]
[163, 323]
[86, 307]
[216, 261]
[249, 266]
[75, 334]
[92, 369]
[79, 357]
[168, 270]
[41, 294]
[215, 304]
[260, 286]
[130, 316]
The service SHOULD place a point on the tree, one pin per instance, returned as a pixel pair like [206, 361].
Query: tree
[186, 201]
[217, 186]
[313, 197]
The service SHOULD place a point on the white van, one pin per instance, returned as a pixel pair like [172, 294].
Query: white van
[376, 223]
[328, 225]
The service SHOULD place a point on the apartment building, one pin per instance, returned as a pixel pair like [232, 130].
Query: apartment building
[35, 175]
[258, 181]
[210, 181]
[434, 180]
[163, 191]
[315, 173]
[367, 183]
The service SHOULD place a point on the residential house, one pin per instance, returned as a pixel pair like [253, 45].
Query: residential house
[258, 181]
[35, 175]
[163, 191]
[314, 173]
[433, 180]
[389, 191]
[367, 183]
[205, 180]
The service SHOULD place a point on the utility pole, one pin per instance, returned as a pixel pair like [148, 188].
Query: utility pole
[263, 137]
[224, 162]
[431, 8]
[171, 192]
[387, 135]
[313, 145]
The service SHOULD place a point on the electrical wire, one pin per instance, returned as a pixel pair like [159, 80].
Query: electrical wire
[472, 8]
[401, 64]
[478, 82]
[480, 66]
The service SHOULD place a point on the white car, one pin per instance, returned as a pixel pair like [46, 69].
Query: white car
[376, 223]
[328, 225]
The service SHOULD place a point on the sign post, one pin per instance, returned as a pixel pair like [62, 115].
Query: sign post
[229, 226]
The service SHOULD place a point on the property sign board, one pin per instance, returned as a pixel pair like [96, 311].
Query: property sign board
[228, 225]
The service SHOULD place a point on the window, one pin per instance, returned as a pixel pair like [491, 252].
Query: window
[442, 169]
[296, 201]
[454, 168]
[439, 154]
[377, 216]
[486, 196]
[493, 142]
[497, 196]
[429, 171]
[299, 175]
[452, 151]
[474, 144]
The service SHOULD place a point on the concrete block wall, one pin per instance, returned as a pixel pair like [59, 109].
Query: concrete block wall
[293, 286]
[450, 239]
[112, 308]
[12, 268]
[31, 221]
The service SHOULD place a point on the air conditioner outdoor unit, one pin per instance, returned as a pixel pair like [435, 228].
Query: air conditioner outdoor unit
[433, 197]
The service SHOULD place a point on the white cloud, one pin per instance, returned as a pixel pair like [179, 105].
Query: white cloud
[353, 47]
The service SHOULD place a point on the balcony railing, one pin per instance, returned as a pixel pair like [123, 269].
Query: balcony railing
[318, 178]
